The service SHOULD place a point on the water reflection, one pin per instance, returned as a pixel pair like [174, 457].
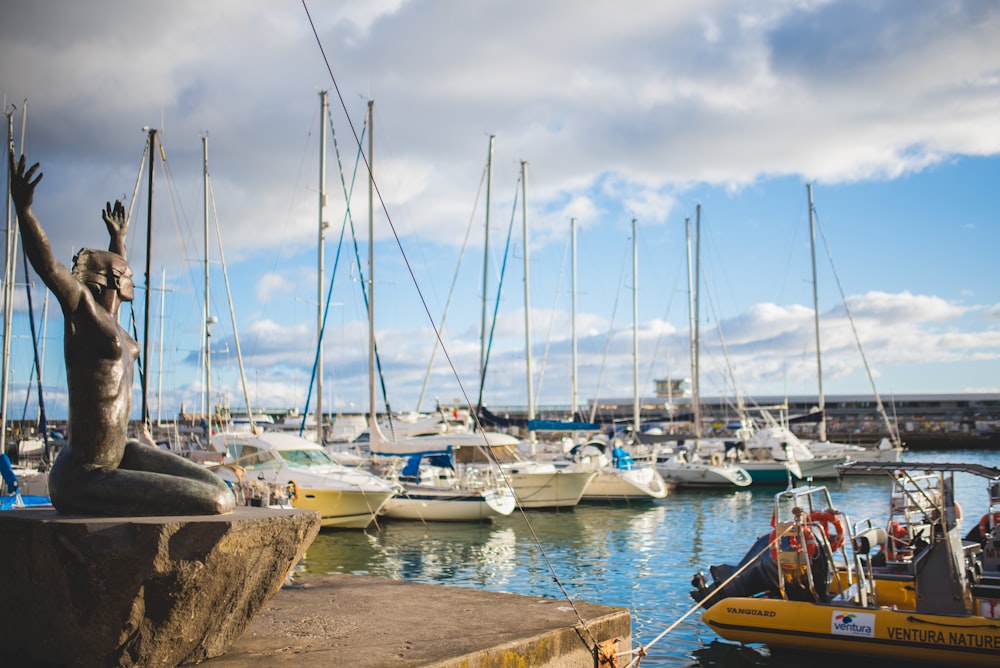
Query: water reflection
[474, 555]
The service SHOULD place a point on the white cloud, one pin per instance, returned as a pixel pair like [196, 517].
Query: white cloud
[270, 284]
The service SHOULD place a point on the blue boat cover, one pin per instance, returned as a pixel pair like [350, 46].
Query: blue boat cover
[7, 473]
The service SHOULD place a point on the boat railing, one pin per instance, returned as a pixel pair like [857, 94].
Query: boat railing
[820, 554]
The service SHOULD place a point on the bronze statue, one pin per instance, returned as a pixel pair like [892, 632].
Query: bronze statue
[101, 471]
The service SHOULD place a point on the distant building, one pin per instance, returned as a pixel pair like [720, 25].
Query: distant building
[672, 387]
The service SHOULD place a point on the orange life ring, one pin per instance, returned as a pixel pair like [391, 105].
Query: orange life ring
[811, 546]
[829, 519]
[293, 490]
[984, 523]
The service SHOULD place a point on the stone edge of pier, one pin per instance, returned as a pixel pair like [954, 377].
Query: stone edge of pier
[365, 621]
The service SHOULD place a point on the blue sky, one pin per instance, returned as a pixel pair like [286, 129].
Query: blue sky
[890, 109]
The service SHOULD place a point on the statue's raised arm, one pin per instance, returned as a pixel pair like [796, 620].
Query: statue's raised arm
[53, 273]
[117, 226]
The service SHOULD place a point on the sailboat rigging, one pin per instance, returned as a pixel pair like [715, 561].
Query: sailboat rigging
[689, 468]
[17, 447]
[43, 426]
[316, 377]
[8, 292]
[893, 447]
[451, 292]
[487, 342]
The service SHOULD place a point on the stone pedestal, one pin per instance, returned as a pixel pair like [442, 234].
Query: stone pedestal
[131, 591]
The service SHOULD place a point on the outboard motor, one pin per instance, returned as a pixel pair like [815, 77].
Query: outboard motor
[760, 576]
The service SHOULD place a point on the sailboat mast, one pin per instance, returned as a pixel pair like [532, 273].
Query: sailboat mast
[697, 317]
[572, 325]
[8, 293]
[693, 282]
[207, 335]
[635, 332]
[527, 295]
[819, 360]
[371, 267]
[486, 264]
[320, 429]
[149, 257]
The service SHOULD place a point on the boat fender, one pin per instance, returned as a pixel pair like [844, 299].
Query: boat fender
[828, 519]
[293, 490]
[869, 538]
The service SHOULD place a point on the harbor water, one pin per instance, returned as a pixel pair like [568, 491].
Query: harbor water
[641, 557]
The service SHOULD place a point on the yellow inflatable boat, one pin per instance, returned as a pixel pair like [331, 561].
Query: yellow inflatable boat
[913, 591]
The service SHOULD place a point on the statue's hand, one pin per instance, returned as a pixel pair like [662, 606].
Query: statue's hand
[115, 219]
[22, 185]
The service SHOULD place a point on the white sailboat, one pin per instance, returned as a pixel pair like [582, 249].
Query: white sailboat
[688, 467]
[891, 449]
[534, 484]
[461, 443]
[619, 477]
[432, 490]
[494, 455]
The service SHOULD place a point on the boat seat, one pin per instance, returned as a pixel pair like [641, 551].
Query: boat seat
[866, 540]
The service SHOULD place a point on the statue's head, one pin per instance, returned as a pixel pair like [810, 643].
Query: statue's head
[100, 270]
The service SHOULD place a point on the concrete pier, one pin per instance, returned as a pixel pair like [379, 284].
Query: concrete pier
[368, 622]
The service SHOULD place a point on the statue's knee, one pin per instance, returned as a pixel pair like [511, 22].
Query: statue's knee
[225, 502]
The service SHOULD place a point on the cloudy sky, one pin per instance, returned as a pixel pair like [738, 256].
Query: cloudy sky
[620, 111]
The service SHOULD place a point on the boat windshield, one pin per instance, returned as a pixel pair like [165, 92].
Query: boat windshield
[306, 457]
[255, 458]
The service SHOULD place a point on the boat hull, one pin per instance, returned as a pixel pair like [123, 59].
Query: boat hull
[551, 489]
[875, 632]
[821, 468]
[640, 485]
[767, 473]
[704, 475]
[437, 505]
[342, 509]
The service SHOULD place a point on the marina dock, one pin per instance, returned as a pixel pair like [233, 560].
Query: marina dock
[371, 622]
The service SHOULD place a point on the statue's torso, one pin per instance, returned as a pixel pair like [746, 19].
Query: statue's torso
[100, 358]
